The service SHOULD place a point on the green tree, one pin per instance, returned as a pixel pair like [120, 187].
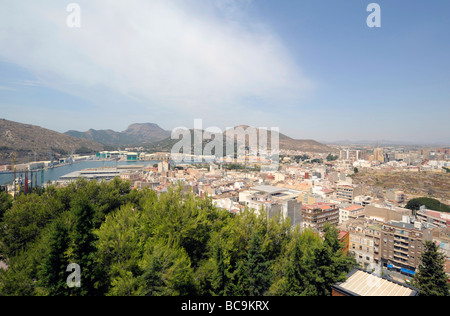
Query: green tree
[332, 157]
[220, 275]
[5, 203]
[18, 279]
[431, 278]
[429, 203]
[166, 270]
[121, 242]
[257, 269]
[83, 251]
[52, 273]
[24, 222]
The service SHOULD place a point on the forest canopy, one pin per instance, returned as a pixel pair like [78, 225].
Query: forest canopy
[139, 243]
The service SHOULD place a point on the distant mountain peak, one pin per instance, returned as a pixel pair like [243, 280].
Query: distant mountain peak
[135, 134]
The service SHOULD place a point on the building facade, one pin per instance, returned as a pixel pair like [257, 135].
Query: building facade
[402, 244]
[316, 215]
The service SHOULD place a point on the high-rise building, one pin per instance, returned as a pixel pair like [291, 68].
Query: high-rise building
[378, 154]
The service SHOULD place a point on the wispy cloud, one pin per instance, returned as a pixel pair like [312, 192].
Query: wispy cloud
[27, 83]
[171, 54]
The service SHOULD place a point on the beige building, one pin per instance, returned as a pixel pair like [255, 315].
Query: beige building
[365, 241]
[274, 201]
[351, 212]
[347, 193]
[395, 196]
[384, 213]
[316, 215]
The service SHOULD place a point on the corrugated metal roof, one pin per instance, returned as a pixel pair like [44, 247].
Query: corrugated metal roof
[366, 284]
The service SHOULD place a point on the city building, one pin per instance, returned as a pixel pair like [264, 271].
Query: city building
[378, 154]
[402, 245]
[365, 242]
[433, 217]
[273, 201]
[163, 166]
[347, 193]
[132, 156]
[316, 215]
[395, 196]
[131, 176]
[350, 212]
[384, 213]
[91, 174]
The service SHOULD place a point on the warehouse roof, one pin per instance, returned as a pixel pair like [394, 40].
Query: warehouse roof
[362, 283]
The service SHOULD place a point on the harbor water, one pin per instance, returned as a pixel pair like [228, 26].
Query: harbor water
[57, 172]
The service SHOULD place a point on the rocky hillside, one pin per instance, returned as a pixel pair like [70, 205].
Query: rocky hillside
[135, 134]
[33, 142]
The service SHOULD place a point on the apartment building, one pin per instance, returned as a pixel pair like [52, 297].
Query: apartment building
[384, 213]
[273, 201]
[437, 218]
[365, 241]
[402, 244]
[316, 215]
[395, 196]
[347, 193]
[350, 212]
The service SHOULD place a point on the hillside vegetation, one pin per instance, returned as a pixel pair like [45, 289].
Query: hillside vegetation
[436, 185]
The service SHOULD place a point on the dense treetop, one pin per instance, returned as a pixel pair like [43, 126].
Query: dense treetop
[130, 242]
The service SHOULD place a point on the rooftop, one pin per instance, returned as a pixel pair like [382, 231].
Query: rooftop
[354, 207]
[319, 205]
[361, 283]
[269, 189]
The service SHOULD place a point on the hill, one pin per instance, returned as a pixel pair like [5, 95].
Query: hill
[135, 134]
[414, 184]
[35, 143]
[285, 143]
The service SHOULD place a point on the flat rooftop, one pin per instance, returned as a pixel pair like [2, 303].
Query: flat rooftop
[93, 174]
[361, 283]
[269, 189]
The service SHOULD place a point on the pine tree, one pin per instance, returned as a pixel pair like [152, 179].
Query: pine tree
[257, 269]
[84, 249]
[431, 278]
[52, 274]
[219, 278]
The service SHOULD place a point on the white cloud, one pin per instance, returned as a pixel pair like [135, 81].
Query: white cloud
[179, 55]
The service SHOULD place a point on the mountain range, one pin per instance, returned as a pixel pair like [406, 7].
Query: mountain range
[156, 139]
[135, 134]
[36, 143]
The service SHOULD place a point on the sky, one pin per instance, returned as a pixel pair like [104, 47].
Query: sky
[312, 68]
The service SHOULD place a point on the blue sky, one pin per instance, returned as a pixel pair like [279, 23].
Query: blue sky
[311, 67]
